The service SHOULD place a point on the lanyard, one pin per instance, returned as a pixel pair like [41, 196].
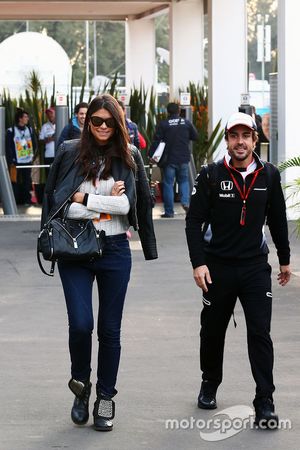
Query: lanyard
[244, 194]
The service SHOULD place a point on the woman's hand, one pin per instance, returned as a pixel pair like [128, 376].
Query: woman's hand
[78, 197]
[118, 188]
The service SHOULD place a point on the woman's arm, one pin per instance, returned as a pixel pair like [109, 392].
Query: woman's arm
[116, 203]
[79, 211]
[109, 204]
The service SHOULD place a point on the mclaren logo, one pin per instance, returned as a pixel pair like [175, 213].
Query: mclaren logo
[226, 185]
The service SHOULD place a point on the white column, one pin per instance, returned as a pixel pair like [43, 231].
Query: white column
[186, 44]
[288, 88]
[227, 72]
[140, 53]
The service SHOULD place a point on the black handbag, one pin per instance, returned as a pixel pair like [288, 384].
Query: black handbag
[70, 240]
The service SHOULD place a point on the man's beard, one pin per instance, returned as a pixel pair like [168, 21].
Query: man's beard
[237, 156]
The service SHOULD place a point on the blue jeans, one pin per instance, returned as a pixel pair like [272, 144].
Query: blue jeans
[180, 172]
[112, 273]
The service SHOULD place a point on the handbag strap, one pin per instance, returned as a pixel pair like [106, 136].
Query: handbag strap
[68, 200]
[66, 204]
[51, 273]
[66, 211]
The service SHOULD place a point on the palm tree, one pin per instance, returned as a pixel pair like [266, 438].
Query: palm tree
[294, 187]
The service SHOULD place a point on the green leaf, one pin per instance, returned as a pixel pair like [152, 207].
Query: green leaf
[293, 162]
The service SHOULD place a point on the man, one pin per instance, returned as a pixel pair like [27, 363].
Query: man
[74, 128]
[47, 137]
[132, 128]
[176, 132]
[228, 251]
[20, 149]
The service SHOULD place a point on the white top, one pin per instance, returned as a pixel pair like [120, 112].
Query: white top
[109, 213]
[48, 130]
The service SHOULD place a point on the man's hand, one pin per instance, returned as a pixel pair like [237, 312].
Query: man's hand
[202, 276]
[284, 275]
[78, 197]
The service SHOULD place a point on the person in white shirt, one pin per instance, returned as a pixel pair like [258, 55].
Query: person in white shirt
[47, 136]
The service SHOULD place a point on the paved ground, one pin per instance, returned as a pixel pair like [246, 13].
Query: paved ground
[159, 373]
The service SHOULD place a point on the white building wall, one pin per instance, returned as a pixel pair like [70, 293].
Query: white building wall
[227, 73]
[186, 44]
[288, 89]
[140, 53]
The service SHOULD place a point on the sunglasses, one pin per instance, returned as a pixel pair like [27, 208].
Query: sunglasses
[98, 121]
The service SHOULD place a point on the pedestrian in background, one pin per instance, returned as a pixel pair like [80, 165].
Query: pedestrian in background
[177, 133]
[262, 138]
[229, 254]
[101, 168]
[20, 149]
[132, 128]
[74, 128]
[47, 137]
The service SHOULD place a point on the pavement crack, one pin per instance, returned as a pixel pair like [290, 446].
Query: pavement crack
[13, 267]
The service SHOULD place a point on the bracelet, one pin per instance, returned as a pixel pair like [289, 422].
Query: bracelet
[85, 199]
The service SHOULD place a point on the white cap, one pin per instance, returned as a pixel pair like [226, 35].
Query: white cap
[240, 118]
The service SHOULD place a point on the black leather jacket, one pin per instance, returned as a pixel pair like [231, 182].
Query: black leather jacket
[65, 178]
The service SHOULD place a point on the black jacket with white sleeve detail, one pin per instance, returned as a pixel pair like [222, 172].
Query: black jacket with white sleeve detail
[214, 226]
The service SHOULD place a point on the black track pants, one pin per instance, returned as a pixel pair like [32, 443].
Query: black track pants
[252, 285]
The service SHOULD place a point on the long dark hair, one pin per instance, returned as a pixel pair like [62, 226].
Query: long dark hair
[90, 151]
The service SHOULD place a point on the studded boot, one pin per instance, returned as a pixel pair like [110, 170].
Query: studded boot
[80, 409]
[104, 412]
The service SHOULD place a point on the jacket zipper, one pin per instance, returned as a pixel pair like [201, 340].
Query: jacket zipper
[52, 250]
[97, 232]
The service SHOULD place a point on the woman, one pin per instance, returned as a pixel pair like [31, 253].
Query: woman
[104, 178]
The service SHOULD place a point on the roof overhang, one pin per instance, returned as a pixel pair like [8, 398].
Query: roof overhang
[81, 10]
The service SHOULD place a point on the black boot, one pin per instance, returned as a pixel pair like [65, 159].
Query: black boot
[104, 412]
[265, 416]
[207, 396]
[80, 409]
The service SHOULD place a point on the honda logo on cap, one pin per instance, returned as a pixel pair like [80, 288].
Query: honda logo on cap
[226, 185]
